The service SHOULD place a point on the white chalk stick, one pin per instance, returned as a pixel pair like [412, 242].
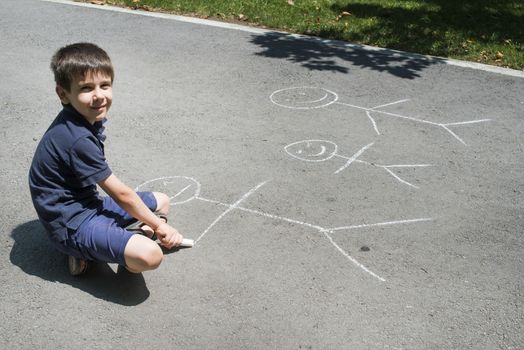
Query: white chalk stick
[186, 242]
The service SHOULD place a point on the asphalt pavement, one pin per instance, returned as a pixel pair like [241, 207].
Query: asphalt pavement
[341, 196]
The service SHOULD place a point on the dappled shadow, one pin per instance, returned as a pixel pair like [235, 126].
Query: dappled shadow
[316, 54]
[36, 256]
[436, 27]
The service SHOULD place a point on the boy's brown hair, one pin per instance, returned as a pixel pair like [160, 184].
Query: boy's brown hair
[77, 60]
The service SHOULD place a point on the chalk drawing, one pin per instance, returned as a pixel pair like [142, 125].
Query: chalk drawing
[312, 150]
[303, 97]
[314, 97]
[244, 197]
[184, 188]
[307, 150]
[184, 183]
[354, 157]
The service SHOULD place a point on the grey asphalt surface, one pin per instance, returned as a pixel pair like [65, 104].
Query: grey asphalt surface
[270, 271]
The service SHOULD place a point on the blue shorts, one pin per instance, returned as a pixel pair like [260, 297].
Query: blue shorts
[103, 237]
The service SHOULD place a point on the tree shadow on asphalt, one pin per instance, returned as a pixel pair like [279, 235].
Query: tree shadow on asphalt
[36, 256]
[430, 25]
[317, 55]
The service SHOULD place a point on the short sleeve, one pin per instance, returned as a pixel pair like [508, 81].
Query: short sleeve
[88, 162]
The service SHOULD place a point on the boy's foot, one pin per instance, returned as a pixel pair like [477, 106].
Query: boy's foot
[76, 265]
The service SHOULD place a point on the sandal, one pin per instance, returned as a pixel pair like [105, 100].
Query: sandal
[76, 265]
[136, 227]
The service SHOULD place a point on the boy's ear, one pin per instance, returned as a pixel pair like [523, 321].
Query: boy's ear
[60, 91]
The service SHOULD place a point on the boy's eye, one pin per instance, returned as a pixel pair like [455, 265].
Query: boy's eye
[85, 89]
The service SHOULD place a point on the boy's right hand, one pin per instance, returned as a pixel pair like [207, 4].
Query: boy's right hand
[168, 236]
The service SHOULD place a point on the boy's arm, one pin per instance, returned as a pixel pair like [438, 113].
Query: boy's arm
[128, 200]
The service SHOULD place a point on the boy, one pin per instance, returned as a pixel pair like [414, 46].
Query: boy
[68, 164]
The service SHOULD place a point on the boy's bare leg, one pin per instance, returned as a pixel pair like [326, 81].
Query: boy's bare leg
[162, 201]
[142, 254]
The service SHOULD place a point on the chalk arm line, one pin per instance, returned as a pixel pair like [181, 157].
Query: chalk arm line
[445, 127]
[385, 223]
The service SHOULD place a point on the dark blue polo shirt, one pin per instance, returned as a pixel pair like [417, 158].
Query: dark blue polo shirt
[67, 164]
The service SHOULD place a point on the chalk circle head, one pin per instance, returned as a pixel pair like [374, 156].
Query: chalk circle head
[180, 189]
[312, 150]
[303, 97]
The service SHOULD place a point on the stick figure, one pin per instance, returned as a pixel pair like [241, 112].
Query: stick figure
[322, 150]
[186, 189]
[302, 98]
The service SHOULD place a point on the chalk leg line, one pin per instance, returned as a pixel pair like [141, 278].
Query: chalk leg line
[419, 120]
[350, 258]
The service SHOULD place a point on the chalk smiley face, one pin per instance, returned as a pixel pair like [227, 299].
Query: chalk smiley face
[312, 150]
[303, 97]
[180, 189]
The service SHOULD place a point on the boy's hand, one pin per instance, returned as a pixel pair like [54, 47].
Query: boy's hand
[168, 236]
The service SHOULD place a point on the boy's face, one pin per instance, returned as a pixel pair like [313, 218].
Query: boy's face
[90, 95]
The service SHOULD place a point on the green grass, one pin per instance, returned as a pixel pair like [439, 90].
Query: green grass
[486, 31]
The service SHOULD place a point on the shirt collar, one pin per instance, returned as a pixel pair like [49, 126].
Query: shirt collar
[97, 128]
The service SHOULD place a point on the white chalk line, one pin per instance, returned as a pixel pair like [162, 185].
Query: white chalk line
[244, 197]
[405, 165]
[373, 122]
[468, 122]
[445, 126]
[399, 179]
[386, 167]
[322, 151]
[308, 142]
[180, 192]
[196, 183]
[453, 134]
[350, 258]
[320, 99]
[395, 115]
[354, 157]
[391, 103]
[326, 91]
[320, 229]
[271, 216]
[403, 117]
[387, 113]
[386, 223]
[292, 221]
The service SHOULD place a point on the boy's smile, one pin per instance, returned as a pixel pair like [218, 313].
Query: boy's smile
[90, 95]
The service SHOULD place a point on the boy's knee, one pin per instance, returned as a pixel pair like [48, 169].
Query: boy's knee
[152, 257]
[142, 254]
[162, 201]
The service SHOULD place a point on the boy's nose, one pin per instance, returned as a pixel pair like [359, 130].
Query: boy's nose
[98, 94]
